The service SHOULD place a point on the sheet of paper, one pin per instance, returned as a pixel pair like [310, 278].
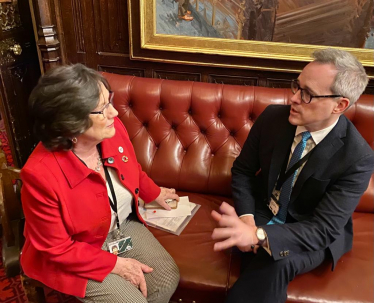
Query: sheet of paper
[174, 225]
[184, 209]
[167, 223]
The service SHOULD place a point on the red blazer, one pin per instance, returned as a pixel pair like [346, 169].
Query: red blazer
[68, 214]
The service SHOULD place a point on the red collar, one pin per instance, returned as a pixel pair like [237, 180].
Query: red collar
[74, 170]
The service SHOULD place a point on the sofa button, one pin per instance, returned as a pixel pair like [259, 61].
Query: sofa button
[122, 177]
[136, 191]
[161, 108]
[190, 112]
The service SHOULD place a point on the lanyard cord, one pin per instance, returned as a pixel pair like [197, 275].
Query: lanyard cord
[113, 204]
[283, 176]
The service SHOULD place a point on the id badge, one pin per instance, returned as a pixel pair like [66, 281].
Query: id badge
[273, 205]
[120, 246]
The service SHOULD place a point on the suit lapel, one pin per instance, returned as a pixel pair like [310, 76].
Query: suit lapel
[320, 155]
[281, 151]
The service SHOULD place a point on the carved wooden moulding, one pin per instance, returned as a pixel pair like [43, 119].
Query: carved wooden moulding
[9, 15]
[6, 48]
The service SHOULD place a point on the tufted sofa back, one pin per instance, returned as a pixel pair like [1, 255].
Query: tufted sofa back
[187, 135]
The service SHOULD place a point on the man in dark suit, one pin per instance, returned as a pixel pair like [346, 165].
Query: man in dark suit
[297, 181]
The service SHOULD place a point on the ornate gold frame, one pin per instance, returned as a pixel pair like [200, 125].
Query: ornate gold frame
[149, 40]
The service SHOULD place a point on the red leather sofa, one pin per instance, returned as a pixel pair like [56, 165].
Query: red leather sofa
[186, 136]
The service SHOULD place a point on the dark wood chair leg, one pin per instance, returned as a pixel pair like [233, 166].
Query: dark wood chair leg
[34, 293]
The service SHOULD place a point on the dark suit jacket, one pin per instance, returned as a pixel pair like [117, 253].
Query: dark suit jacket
[325, 194]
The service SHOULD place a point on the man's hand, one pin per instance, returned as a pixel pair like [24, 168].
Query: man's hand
[132, 271]
[250, 221]
[233, 230]
[166, 193]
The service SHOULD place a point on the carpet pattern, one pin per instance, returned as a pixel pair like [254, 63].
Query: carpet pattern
[11, 290]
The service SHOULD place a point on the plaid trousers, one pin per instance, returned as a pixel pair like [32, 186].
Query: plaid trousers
[161, 283]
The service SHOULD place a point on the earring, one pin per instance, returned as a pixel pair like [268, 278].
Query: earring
[74, 140]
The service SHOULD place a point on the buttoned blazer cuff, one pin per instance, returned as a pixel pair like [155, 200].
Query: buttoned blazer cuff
[277, 247]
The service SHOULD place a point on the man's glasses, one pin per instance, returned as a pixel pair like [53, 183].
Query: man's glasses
[105, 108]
[305, 95]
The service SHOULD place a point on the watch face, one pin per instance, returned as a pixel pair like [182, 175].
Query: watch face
[260, 234]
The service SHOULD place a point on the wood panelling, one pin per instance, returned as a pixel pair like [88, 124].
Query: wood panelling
[173, 75]
[19, 79]
[122, 70]
[48, 43]
[235, 80]
[370, 88]
[110, 24]
[68, 34]
[19, 73]
[78, 25]
[280, 82]
[100, 39]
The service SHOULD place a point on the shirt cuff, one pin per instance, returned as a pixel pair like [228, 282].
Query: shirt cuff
[266, 245]
[246, 215]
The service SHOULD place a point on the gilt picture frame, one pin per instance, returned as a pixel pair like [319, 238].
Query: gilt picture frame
[147, 42]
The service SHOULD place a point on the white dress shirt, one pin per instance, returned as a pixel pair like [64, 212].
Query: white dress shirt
[124, 199]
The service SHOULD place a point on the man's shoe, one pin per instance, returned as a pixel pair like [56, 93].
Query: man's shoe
[188, 12]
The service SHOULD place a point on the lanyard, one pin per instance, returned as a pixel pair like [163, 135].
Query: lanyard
[283, 176]
[113, 204]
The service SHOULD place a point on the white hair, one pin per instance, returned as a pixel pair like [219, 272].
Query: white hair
[351, 79]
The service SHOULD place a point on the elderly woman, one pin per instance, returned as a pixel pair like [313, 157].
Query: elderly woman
[80, 198]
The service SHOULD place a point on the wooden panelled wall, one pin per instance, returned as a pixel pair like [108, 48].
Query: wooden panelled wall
[95, 32]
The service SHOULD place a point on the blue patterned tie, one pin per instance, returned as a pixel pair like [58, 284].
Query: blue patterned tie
[286, 190]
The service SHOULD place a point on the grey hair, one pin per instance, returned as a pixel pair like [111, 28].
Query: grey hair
[61, 104]
[351, 79]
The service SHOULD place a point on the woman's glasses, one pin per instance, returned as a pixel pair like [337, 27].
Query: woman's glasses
[105, 108]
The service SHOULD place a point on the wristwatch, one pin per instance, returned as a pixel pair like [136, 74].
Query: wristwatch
[261, 235]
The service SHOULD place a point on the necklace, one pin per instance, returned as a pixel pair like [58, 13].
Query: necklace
[99, 162]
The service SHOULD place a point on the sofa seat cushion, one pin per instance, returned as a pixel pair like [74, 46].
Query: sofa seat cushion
[353, 278]
[204, 273]
[207, 275]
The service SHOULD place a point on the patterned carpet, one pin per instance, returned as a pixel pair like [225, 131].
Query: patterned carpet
[11, 290]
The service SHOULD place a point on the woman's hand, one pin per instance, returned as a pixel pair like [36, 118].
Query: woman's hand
[132, 271]
[166, 193]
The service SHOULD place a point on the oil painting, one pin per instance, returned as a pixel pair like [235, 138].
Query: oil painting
[342, 23]
[269, 30]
